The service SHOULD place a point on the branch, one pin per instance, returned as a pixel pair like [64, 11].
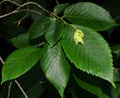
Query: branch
[8, 14]
[21, 89]
[10, 2]
[20, 6]
[34, 3]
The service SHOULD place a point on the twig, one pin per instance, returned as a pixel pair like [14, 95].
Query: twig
[9, 88]
[8, 14]
[19, 21]
[10, 2]
[34, 3]
[21, 89]
[18, 8]
[26, 10]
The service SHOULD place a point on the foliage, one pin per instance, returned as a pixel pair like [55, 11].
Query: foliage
[65, 47]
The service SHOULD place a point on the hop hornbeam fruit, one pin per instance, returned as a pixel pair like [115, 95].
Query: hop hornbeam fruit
[78, 37]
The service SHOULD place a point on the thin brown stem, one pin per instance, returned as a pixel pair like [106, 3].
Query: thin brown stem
[21, 89]
[10, 2]
[34, 3]
[8, 14]
[34, 11]
[28, 3]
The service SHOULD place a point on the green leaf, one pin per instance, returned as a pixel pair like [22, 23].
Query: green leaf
[19, 62]
[21, 40]
[49, 26]
[55, 67]
[89, 15]
[54, 31]
[90, 88]
[93, 57]
[39, 27]
[60, 8]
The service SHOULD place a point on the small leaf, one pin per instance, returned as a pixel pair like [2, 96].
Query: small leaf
[60, 8]
[90, 88]
[21, 40]
[19, 62]
[55, 67]
[89, 15]
[93, 57]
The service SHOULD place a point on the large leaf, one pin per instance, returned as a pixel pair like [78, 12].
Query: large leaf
[55, 67]
[90, 15]
[93, 57]
[90, 88]
[19, 62]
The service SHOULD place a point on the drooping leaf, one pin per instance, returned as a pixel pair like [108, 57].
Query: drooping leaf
[39, 27]
[54, 31]
[55, 67]
[93, 57]
[21, 40]
[90, 88]
[60, 8]
[19, 62]
[89, 15]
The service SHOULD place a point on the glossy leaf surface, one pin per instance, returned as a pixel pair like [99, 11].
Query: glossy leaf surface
[89, 15]
[55, 67]
[93, 57]
[19, 62]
